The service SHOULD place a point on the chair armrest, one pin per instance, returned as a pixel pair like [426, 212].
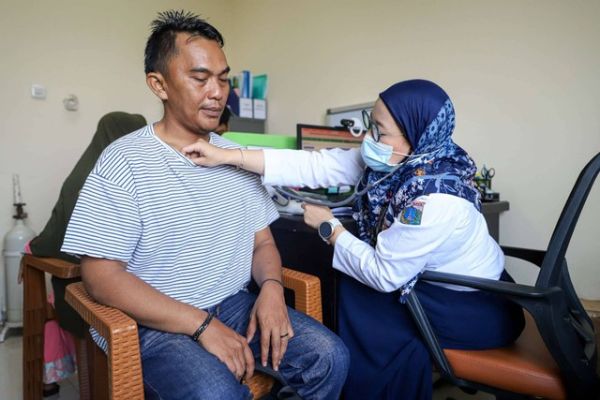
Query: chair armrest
[492, 285]
[424, 326]
[533, 256]
[53, 266]
[307, 291]
[523, 295]
[121, 334]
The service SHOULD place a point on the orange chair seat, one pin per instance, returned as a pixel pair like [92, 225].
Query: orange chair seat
[524, 367]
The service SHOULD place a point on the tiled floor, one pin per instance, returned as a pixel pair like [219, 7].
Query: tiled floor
[11, 379]
[454, 393]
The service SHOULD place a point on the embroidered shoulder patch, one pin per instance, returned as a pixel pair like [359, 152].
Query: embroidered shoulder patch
[412, 214]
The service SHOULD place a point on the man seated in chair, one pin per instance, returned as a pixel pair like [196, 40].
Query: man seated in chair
[175, 245]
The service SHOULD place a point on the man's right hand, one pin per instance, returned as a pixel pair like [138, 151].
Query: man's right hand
[229, 347]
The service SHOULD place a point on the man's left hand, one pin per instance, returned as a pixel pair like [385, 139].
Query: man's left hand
[270, 315]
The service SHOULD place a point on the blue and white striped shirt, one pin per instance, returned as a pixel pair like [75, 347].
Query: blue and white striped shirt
[187, 231]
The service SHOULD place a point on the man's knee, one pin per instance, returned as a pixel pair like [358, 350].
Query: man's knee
[326, 357]
[335, 355]
[322, 367]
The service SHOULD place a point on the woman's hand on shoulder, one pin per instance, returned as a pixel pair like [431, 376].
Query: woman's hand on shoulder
[207, 155]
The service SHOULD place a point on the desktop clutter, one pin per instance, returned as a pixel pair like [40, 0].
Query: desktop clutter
[284, 204]
[248, 95]
[483, 181]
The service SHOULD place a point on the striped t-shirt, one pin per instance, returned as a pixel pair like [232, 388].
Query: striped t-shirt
[188, 231]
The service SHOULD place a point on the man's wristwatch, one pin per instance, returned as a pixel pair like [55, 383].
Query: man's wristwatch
[326, 228]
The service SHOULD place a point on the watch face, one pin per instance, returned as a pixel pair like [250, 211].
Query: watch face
[325, 230]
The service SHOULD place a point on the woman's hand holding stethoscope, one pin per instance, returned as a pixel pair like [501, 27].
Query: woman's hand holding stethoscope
[314, 214]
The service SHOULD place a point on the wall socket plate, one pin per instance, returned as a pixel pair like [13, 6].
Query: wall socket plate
[38, 91]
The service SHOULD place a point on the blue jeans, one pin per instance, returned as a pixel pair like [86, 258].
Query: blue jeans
[175, 367]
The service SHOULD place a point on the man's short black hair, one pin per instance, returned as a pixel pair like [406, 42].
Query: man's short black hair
[161, 43]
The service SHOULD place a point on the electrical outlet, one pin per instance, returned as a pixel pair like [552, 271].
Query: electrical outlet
[38, 91]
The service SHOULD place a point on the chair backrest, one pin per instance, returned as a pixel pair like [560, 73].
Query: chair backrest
[561, 237]
[565, 326]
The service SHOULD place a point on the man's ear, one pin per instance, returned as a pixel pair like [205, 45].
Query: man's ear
[156, 83]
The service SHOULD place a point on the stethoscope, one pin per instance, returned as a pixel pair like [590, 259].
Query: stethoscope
[293, 194]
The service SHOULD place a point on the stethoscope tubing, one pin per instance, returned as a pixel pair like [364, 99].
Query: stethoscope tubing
[291, 194]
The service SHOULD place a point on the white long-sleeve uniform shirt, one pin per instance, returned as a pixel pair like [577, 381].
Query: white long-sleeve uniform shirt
[452, 235]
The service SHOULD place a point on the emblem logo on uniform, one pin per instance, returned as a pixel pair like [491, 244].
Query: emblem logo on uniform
[412, 214]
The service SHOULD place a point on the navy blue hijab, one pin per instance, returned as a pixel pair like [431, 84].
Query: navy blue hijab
[425, 115]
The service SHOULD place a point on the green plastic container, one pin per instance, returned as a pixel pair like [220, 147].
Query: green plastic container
[262, 140]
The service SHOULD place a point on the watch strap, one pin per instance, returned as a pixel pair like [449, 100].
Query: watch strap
[334, 223]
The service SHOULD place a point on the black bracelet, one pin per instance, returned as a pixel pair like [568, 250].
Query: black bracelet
[271, 279]
[203, 327]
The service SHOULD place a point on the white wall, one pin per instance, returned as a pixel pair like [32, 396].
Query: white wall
[523, 76]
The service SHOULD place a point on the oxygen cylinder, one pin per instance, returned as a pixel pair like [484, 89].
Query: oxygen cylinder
[14, 243]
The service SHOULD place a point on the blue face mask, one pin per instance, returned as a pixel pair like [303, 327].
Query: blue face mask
[377, 155]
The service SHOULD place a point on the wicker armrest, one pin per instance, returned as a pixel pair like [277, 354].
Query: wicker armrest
[36, 312]
[307, 291]
[120, 332]
[53, 266]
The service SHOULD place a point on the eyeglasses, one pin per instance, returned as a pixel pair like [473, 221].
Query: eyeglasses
[369, 124]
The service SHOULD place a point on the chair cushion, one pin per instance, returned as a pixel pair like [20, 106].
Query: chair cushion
[524, 367]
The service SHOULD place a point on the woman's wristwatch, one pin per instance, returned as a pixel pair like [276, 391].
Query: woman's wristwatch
[326, 228]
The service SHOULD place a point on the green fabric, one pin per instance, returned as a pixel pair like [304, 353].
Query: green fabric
[48, 243]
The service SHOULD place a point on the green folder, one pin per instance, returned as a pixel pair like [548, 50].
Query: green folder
[260, 86]
[270, 140]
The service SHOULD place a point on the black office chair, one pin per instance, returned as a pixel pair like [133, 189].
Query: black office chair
[555, 356]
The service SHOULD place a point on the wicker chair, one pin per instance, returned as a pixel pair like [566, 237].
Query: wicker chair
[119, 375]
[36, 312]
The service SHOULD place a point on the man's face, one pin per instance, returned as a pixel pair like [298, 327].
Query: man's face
[196, 83]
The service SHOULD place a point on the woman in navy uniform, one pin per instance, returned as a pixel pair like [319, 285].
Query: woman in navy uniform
[419, 211]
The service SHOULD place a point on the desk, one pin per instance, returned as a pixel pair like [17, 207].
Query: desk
[491, 212]
[303, 250]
